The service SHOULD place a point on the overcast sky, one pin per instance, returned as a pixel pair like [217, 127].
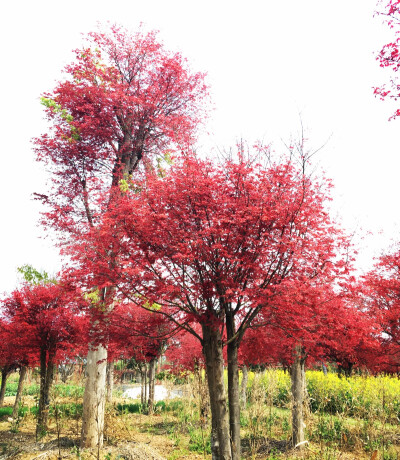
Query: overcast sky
[268, 62]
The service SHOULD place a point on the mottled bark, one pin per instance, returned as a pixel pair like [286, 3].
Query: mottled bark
[94, 398]
[297, 375]
[212, 349]
[18, 396]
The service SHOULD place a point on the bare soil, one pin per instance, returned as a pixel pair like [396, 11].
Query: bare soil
[135, 437]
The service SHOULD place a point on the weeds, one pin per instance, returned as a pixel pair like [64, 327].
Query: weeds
[357, 415]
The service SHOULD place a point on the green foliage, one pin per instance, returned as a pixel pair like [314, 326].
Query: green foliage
[33, 276]
[66, 390]
[7, 411]
[197, 442]
[330, 429]
[63, 390]
[160, 406]
[175, 379]
[66, 409]
[67, 117]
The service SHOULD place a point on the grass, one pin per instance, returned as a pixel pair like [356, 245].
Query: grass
[347, 418]
[60, 389]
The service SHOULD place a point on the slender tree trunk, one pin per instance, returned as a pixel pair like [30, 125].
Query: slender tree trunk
[5, 371]
[212, 349]
[18, 396]
[152, 375]
[233, 396]
[243, 387]
[142, 385]
[40, 423]
[29, 375]
[94, 398]
[297, 375]
[46, 379]
[110, 381]
[145, 383]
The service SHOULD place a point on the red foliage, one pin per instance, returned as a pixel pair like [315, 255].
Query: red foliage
[326, 324]
[124, 99]
[185, 353]
[12, 352]
[381, 296]
[137, 333]
[44, 317]
[389, 55]
[208, 241]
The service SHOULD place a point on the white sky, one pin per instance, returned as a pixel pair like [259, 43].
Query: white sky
[267, 61]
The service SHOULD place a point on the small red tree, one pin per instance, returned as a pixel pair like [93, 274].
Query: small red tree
[141, 334]
[215, 245]
[44, 317]
[381, 298]
[326, 324]
[14, 355]
[8, 357]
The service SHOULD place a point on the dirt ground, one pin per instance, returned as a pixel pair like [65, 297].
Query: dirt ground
[127, 437]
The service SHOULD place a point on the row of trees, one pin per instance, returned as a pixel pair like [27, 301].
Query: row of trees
[46, 323]
[239, 252]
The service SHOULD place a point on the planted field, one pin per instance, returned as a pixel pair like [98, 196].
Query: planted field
[346, 418]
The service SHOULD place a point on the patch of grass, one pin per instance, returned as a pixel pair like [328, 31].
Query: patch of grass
[7, 411]
[61, 389]
[199, 441]
[174, 406]
[67, 409]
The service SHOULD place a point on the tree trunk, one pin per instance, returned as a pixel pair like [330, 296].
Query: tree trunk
[142, 385]
[233, 392]
[18, 396]
[212, 349]
[145, 383]
[46, 379]
[152, 376]
[94, 398]
[243, 387]
[4, 374]
[110, 381]
[297, 375]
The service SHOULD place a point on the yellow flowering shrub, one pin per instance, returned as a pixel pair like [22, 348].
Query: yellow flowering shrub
[361, 395]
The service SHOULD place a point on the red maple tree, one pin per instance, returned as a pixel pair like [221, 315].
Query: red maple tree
[381, 298]
[142, 334]
[215, 244]
[46, 319]
[123, 101]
